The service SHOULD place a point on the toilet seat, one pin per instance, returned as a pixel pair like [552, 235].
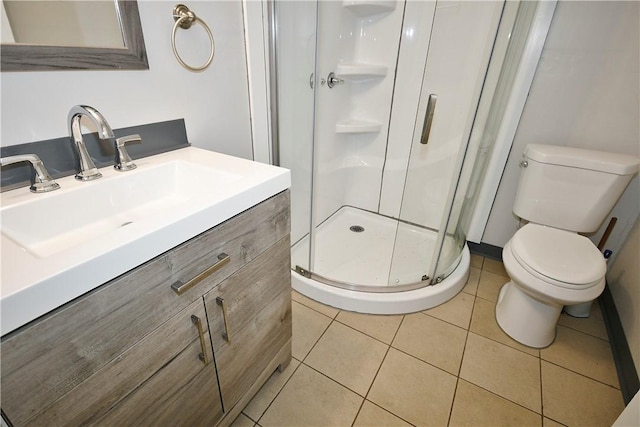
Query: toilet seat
[558, 257]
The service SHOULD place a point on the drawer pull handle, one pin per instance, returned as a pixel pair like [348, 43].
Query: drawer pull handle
[181, 288]
[202, 356]
[225, 317]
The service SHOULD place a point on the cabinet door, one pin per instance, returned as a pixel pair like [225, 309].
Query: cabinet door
[161, 380]
[250, 320]
[183, 393]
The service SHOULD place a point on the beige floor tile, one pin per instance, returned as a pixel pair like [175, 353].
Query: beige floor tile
[373, 416]
[583, 354]
[483, 322]
[243, 421]
[489, 285]
[308, 326]
[457, 310]
[311, 399]
[503, 370]
[477, 260]
[548, 422]
[474, 406]
[471, 287]
[380, 327]
[592, 325]
[269, 391]
[413, 390]
[576, 400]
[494, 266]
[327, 310]
[432, 340]
[348, 356]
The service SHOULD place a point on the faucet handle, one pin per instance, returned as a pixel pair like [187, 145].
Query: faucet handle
[41, 181]
[123, 161]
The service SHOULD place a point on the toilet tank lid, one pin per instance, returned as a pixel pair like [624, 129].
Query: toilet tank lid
[619, 164]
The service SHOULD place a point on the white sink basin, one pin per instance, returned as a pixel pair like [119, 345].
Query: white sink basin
[98, 209]
[57, 246]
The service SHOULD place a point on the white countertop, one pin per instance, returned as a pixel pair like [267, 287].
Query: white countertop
[34, 282]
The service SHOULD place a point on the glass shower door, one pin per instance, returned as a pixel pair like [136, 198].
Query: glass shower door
[294, 33]
[462, 39]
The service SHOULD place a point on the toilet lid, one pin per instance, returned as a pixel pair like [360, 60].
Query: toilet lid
[560, 255]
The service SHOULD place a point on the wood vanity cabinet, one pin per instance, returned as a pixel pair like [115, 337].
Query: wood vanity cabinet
[134, 351]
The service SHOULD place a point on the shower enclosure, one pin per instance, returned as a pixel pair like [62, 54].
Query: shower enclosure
[376, 102]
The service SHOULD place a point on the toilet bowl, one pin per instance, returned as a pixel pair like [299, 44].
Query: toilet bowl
[549, 268]
[562, 191]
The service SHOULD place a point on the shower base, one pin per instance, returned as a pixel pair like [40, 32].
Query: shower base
[364, 259]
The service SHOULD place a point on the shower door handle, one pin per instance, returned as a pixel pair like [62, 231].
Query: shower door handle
[428, 118]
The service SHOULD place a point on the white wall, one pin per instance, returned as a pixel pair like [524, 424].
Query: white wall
[586, 93]
[213, 103]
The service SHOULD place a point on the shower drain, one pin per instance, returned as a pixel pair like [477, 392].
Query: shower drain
[356, 228]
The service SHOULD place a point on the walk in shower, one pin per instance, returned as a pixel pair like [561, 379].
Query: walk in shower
[376, 102]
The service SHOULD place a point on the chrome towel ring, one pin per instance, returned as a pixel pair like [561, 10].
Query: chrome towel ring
[184, 19]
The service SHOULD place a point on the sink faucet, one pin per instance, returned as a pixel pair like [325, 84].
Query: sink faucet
[41, 181]
[86, 168]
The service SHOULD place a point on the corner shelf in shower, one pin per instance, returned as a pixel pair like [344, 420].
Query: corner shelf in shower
[365, 8]
[358, 126]
[360, 71]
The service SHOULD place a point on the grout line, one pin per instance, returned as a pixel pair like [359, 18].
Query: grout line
[583, 332]
[464, 349]
[315, 309]
[371, 336]
[333, 380]
[358, 413]
[541, 388]
[445, 321]
[424, 361]
[501, 396]
[274, 397]
[581, 374]
[317, 341]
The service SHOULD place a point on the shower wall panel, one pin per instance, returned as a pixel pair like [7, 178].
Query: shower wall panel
[352, 117]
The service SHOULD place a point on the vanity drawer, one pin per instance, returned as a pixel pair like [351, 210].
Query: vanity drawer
[47, 358]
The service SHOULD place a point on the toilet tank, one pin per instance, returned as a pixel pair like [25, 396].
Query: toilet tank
[571, 188]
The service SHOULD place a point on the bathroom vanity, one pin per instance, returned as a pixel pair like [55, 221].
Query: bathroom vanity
[186, 337]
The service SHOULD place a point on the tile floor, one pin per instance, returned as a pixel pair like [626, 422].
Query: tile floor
[450, 365]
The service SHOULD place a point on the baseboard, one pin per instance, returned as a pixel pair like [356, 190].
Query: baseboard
[486, 250]
[627, 374]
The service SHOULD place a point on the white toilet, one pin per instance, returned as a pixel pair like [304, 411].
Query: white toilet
[562, 191]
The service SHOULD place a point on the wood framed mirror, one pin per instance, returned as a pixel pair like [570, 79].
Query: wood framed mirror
[45, 57]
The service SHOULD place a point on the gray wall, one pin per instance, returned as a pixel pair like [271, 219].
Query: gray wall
[624, 282]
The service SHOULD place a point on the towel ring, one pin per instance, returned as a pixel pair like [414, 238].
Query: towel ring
[184, 19]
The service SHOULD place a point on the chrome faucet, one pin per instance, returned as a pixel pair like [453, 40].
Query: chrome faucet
[41, 181]
[86, 168]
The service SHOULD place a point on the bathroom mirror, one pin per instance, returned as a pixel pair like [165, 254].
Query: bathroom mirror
[78, 35]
